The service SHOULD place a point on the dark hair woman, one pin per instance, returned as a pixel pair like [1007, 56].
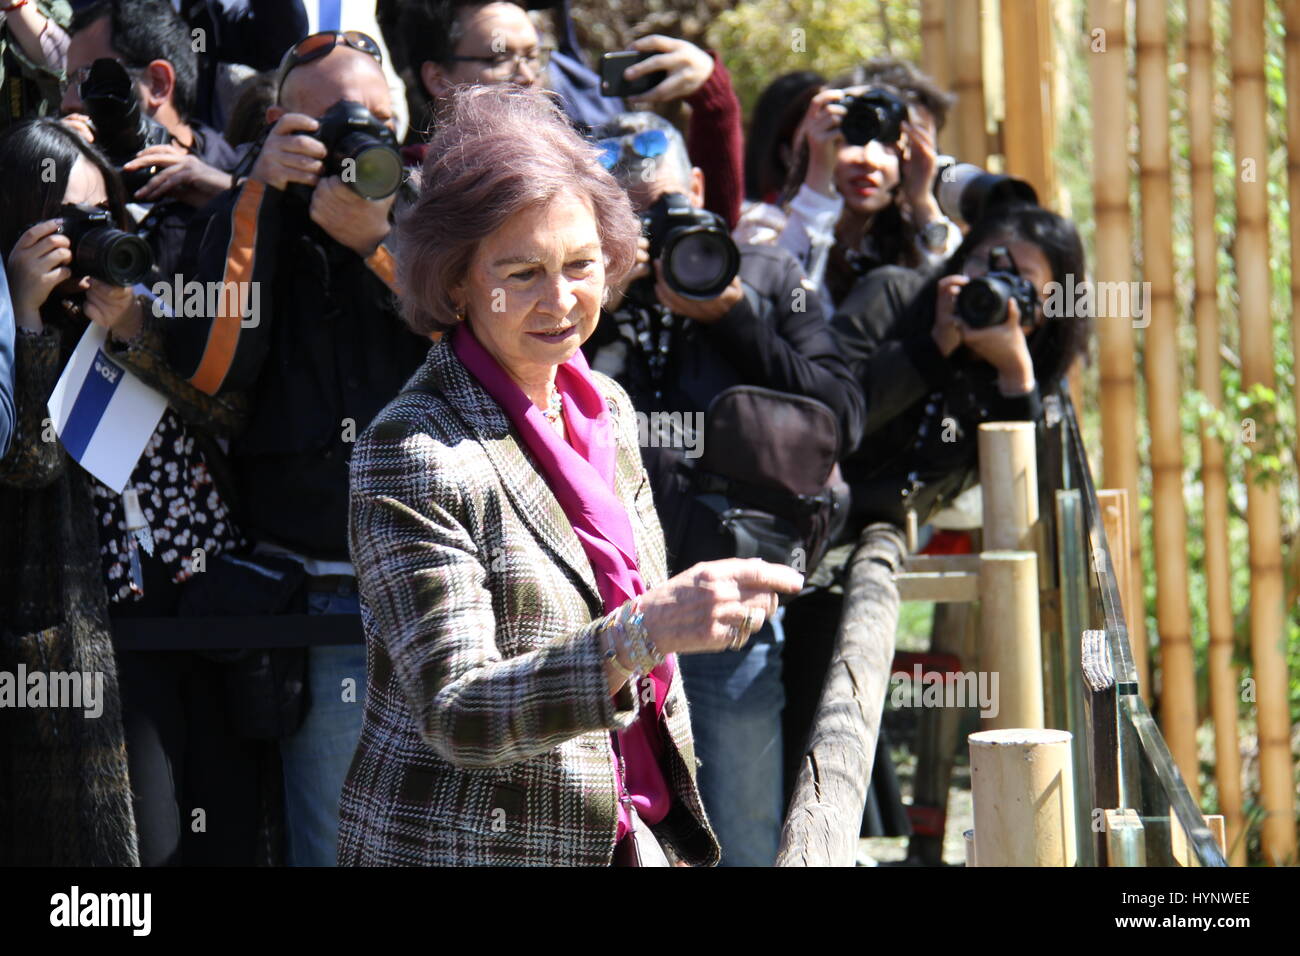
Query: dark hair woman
[66, 566]
[509, 559]
[854, 208]
[929, 379]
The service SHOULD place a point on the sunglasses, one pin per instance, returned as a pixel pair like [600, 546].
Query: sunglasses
[647, 144]
[318, 45]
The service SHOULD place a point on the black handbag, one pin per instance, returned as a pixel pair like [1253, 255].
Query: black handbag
[769, 472]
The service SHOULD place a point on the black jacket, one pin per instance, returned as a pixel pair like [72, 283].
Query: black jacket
[776, 337]
[325, 352]
[166, 226]
[920, 441]
[256, 33]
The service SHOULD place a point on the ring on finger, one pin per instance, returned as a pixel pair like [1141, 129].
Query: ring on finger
[748, 627]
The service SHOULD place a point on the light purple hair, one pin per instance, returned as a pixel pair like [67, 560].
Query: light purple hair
[498, 150]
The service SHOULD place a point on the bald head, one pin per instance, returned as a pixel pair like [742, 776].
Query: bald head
[342, 74]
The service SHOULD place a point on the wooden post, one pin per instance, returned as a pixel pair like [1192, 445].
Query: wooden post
[1022, 785]
[1263, 504]
[1029, 130]
[969, 121]
[1225, 686]
[1009, 486]
[1125, 838]
[1117, 384]
[1215, 822]
[1115, 520]
[1164, 395]
[821, 827]
[1010, 639]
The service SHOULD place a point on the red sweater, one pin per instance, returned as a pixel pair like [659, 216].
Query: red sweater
[716, 143]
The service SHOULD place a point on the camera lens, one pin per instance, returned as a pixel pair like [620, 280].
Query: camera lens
[982, 302]
[376, 165]
[114, 256]
[700, 263]
[874, 115]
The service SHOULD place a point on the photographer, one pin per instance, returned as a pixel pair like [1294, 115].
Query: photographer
[676, 354]
[452, 42]
[191, 160]
[76, 557]
[930, 378]
[868, 163]
[323, 351]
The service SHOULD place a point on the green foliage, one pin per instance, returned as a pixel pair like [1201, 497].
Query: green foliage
[762, 39]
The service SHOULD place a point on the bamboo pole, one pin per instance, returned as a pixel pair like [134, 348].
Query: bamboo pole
[1225, 688]
[1029, 128]
[1263, 505]
[1022, 786]
[969, 121]
[934, 41]
[1009, 485]
[1117, 385]
[1161, 359]
[1011, 638]
[1293, 183]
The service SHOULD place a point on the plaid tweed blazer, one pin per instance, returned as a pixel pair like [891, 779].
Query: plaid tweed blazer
[487, 715]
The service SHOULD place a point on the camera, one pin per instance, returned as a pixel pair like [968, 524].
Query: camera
[876, 114]
[101, 250]
[966, 193]
[122, 128]
[698, 255]
[982, 302]
[362, 152]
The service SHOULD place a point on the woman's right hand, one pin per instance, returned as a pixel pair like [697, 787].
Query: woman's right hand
[703, 609]
[39, 262]
[820, 129]
[947, 330]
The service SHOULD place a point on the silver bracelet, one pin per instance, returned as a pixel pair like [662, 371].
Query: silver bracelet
[609, 649]
[644, 655]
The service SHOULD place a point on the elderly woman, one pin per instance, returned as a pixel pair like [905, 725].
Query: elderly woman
[524, 703]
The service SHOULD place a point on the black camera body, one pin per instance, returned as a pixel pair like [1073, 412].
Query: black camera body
[982, 303]
[122, 128]
[101, 250]
[362, 152]
[876, 114]
[698, 254]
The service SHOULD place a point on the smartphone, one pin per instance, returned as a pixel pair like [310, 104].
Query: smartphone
[612, 66]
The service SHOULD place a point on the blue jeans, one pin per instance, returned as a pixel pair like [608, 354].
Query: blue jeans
[316, 758]
[736, 699]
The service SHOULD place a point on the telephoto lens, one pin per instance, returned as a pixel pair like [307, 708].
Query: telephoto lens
[362, 150]
[876, 114]
[982, 302]
[103, 251]
[698, 255]
[122, 128]
[966, 193]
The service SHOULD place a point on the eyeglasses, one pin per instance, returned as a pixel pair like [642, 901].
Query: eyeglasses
[81, 73]
[647, 144]
[318, 45]
[501, 66]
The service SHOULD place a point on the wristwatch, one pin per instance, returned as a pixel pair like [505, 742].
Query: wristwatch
[933, 236]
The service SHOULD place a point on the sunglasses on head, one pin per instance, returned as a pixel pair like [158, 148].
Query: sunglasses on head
[647, 144]
[318, 45]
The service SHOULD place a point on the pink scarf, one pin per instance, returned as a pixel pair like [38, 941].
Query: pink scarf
[580, 473]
